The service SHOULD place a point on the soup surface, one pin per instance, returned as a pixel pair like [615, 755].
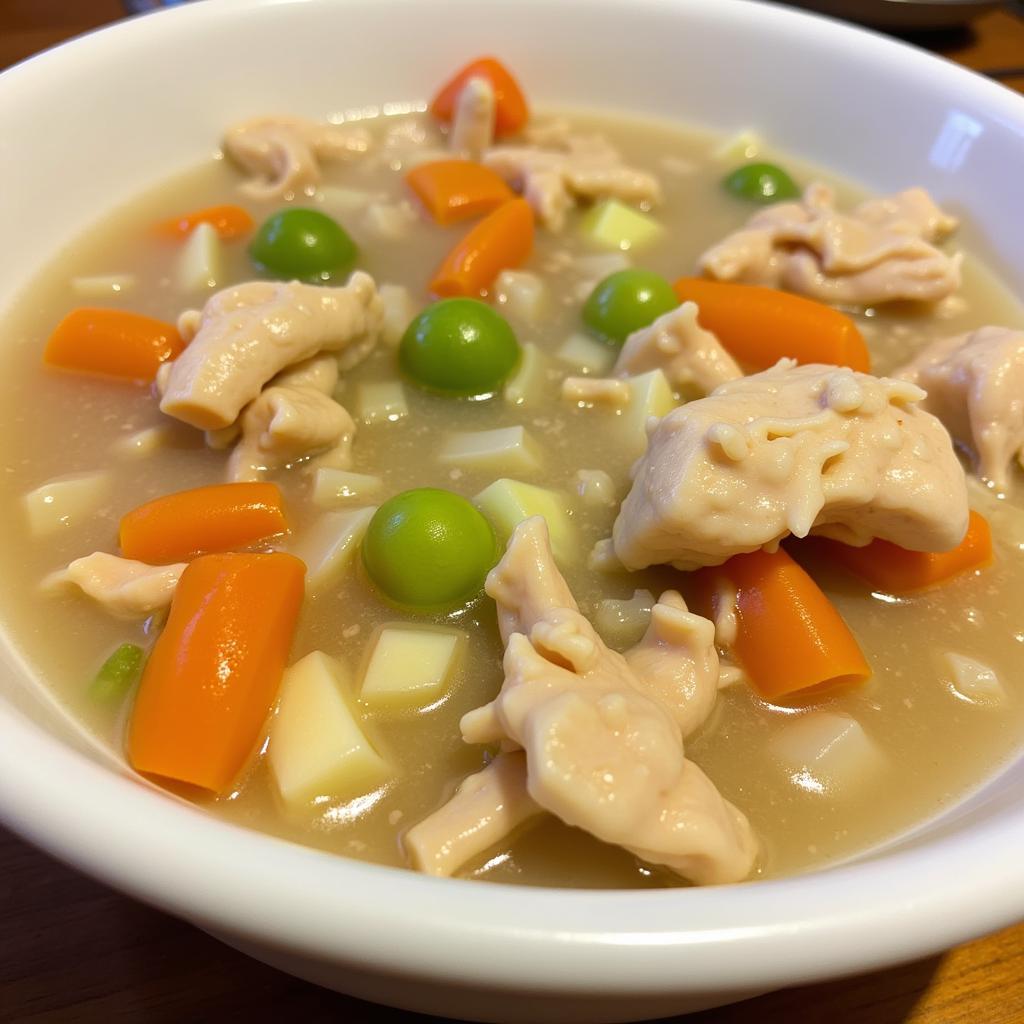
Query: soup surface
[922, 743]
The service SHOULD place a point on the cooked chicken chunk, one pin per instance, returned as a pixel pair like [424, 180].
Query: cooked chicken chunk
[692, 358]
[596, 391]
[253, 331]
[587, 167]
[486, 808]
[791, 450]
[602, 752]
[882, 251]
[975, 385]
[472, 128]
[282, 155]
[125, 588]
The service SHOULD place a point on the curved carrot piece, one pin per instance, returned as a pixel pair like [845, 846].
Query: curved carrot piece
[502, 239]
[112, 343]
[899, 571]
[511, 111]
[228, 220]
[221, 517]
[214, 671]
[761, 325]
[789, 636]
[454, 190]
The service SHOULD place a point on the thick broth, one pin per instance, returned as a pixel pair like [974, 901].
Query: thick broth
[936, 746]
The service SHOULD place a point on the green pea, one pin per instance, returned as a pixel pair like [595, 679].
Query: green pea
[459, 347]
[760, 183]
[626, 301]
[429, 549]
[303, 244]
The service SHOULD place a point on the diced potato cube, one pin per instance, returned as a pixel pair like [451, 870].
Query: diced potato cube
[339, 200]
[64, 502]
[334, 487]
[595, 487]
[508, 502]
[201, 264]
[522, 295]
[102, 286]
[744, 145]
[973, 681]
[329, 545]
[410, 666]
[650, 399]
[622, 623]
[317, 744]
[143, 443]
[613, 225]
[399, 310]
[390, 222]
[509, 448]
[827, 752]
[586, 354]
[526, 385]
[381, 401]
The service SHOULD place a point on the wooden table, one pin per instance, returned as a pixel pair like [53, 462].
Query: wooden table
[73, 950]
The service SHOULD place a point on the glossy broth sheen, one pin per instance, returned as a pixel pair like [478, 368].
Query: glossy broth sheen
[936, 747]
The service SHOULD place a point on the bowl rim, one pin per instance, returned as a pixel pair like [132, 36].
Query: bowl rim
[852, 917]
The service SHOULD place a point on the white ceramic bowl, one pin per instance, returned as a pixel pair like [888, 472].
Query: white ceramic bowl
[98, 119]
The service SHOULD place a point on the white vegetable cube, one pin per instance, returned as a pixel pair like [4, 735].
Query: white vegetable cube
[329, 546]
[526, 385]
[102, 286]
[334, 487]
[201, 264]
[143, 443]
[508, 502]
[509, 449]
[339, 200]
[390, 222]
[64, 502]
[827, 752]
[522, 295]
[613, 225]
[586, 354]
[381, 401]
[317, 744]
[399, 310]
[410, 666]
[973, 681]
[650, 398]
[744, 145]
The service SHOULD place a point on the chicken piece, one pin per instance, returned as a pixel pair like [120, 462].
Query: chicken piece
[692, 359]
[791, 450]
[472, 128]
[486, 808]
[880, 252]
[282, 155]
[602, 752]
[287, 424]
[588, 168]
[253, 331]
[975, 385]
[125, 588]
[596, 391]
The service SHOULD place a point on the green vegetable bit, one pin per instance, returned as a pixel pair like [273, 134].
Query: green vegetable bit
[303, 244]
[429, 549]
[459, 347]
[626, 301]
[760, 183]
[117, 674]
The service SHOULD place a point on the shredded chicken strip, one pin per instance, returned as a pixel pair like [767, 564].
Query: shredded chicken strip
[251, 332]
[692, 358]
[125, 588]
[472, 128]
[975, 385]
[883, 250]
[282, 155]
[587, 168]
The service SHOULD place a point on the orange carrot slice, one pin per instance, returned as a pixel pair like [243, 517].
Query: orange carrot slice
[504, 238]
[221, 517]
[761, 325]
[215, 669]
[229, 221]
[896, 570]
[511, 111]
[454, 190]
[789, 636]
[112, 343]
